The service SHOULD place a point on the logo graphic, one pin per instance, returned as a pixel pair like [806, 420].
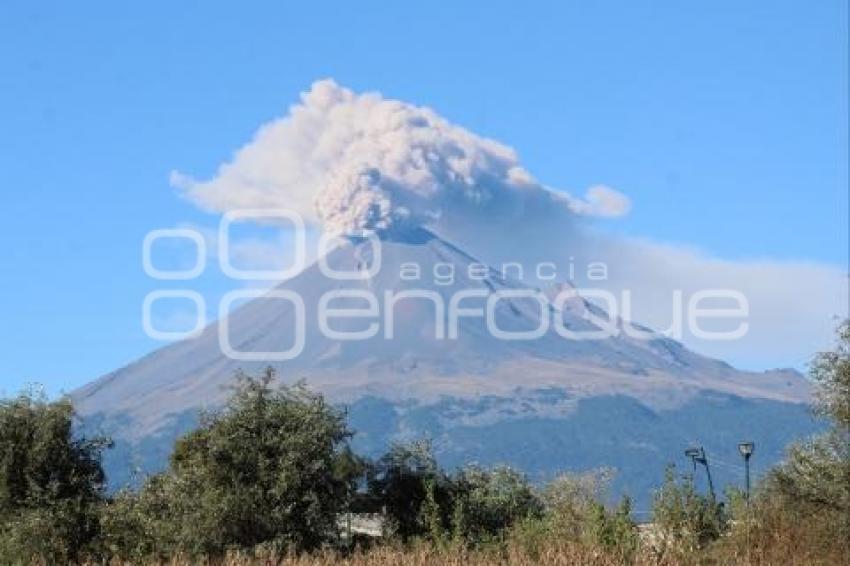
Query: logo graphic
[352, 297]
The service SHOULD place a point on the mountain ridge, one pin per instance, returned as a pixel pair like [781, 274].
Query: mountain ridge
[156, 396]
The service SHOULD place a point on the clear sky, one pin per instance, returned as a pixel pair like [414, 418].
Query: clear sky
[724, 122]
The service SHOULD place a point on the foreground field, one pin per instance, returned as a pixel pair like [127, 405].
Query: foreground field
[269, 479]
[785, 552]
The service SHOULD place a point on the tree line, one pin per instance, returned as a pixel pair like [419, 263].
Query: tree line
[272, 472]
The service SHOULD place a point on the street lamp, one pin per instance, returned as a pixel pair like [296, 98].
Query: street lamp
[697, 455]
[746, 449]
[693, 454]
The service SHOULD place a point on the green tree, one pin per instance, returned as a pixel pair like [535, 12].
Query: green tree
[573, 514]
[399, 484]
[432, 514]
[571, 500]
[488, 502]
[615, 529]
[830, 371]
[684, 520]
[814, 478]
[263, 470]
[51, 481]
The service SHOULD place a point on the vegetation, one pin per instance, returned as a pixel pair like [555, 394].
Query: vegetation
[51, 484]
[812, 486]
[686, 522]
[487, 503]
[407, 485]
[267, 479]
[261, 471]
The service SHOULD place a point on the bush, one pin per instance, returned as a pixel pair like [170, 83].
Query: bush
[802, 507]
[775, 530]
[51, 483]
[684, 521]
[574, 516]
[815, 476]
[262, 470]
[411, 490]
[488, 502]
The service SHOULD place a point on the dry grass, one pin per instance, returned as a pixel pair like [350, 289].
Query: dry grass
[774, 535]
[422, 555]
[774, 544]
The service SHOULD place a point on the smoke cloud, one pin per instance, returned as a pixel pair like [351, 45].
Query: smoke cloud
[351, 162]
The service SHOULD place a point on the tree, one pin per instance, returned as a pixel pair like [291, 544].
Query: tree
[571, 500]
[264, 469]
[814, 479]
[432, 514]
[830, 371]
[615, 529]
[400, 482]
[488, 502]
[573, 514]
[51, 482]
[685, 520]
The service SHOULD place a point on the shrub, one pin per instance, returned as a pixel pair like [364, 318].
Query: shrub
[262, 470]
[802, 507]
[815, 476]
[684, 521]
[571, 501]
[574, 516]
[488, 502]
[402, 481]
[51, 483]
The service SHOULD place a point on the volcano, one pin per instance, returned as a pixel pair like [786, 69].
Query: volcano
[544, 405]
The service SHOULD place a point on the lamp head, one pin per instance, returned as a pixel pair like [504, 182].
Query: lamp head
[746, 448]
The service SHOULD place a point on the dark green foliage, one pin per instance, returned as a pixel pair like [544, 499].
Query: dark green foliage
[615, 529]
[265, 469]
[471, 506]
[488, 502]
[400, 482]
[432, 514]
[816, 473]
[350, 469]
[51, 483]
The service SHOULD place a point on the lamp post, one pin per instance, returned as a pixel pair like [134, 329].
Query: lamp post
[703, 459]
[746, 449]
[697, 455]
[693, 454]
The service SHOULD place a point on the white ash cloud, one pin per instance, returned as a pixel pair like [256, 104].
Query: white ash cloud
[351, 162]
[603, 201]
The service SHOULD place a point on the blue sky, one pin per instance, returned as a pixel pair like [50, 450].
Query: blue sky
[725, 123]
